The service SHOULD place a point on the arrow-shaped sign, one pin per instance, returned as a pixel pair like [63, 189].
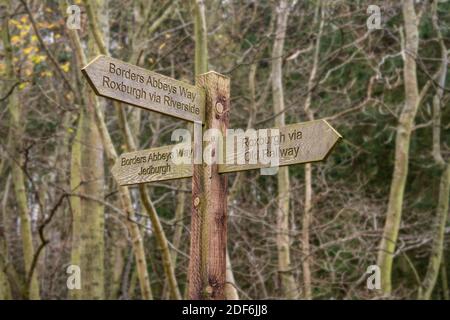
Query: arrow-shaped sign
[154, 164]
[118, 80]
[296, 143]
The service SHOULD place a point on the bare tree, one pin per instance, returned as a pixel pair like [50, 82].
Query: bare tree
[289, 284]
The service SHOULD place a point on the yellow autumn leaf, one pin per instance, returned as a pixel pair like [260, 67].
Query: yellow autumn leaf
[15, 40]
[36, 59]
[65, 67]
[22, 27]
[28, 50]
[34, 38]
[23, 85]
[23, 32]
[162, 46]
[47, 74]
[23, 19]
[57, 36]
[14, 22]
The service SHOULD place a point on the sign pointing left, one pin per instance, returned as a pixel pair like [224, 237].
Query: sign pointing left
[118, 80]
[154, 164]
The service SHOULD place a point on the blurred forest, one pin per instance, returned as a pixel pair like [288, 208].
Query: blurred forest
[310, 232]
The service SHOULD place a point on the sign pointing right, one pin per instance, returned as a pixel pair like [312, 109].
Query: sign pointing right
[297, 143]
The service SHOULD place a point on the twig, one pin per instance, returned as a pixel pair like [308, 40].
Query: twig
[10, 91]
[44, 242]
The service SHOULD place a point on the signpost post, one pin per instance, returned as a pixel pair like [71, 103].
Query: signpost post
[207, 267]
[207, 103]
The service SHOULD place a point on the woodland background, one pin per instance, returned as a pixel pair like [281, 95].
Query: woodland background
[309, 232]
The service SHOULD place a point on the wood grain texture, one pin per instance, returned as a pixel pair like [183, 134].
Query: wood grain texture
[149, 165]
[298, 143]
[121, 81]
[207, 268]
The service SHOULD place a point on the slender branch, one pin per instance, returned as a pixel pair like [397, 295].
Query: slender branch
[44, 242]
[10, 91]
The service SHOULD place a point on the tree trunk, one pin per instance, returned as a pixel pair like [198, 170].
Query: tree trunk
[178, 221]
[289, 285]
[444, 278]
[230, 286]
[437, 248]
[18, 178]
[439, 236]
[5, 288]
[88, 222]
[307, 215]
[88, 232]
[403, 137]
[75, 202]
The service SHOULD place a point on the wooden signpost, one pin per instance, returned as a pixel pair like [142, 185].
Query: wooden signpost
[208, 103]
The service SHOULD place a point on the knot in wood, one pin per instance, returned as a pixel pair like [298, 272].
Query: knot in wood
[209, 290]
[219, 107]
